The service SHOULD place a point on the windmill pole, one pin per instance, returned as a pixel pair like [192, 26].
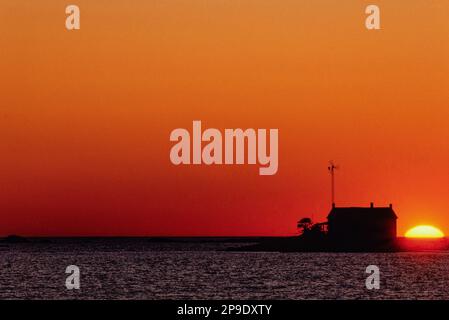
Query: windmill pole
[333, 184]
[331, 169]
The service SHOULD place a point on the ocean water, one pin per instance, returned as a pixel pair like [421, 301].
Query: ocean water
[142, 269]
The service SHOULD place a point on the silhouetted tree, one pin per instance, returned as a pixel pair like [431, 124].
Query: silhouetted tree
[304, 225]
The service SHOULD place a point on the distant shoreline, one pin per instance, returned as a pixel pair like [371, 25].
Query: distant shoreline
[150, 237]
[145, 239]
[183, 238]
[259, 243]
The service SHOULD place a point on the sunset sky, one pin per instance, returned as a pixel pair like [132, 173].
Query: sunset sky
[86, 115]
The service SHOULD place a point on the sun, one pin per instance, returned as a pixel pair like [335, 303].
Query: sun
[424, 231]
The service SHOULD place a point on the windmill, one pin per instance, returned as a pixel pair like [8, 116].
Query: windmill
[331, 168]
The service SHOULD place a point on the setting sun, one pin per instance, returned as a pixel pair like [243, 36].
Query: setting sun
[424, 231]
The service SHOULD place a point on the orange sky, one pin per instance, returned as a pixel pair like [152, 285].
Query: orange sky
[85, 116]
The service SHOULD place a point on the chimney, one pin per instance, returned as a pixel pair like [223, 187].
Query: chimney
[391, 206]
[371, 205]
[333, 205]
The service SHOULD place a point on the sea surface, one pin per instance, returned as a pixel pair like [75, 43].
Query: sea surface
[203, 269]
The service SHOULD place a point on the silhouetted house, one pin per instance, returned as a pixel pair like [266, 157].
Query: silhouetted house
[361, 226]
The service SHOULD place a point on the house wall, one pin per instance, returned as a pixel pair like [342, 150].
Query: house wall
[368, 230]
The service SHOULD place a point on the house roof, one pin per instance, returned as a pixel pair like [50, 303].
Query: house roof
[358, 212]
